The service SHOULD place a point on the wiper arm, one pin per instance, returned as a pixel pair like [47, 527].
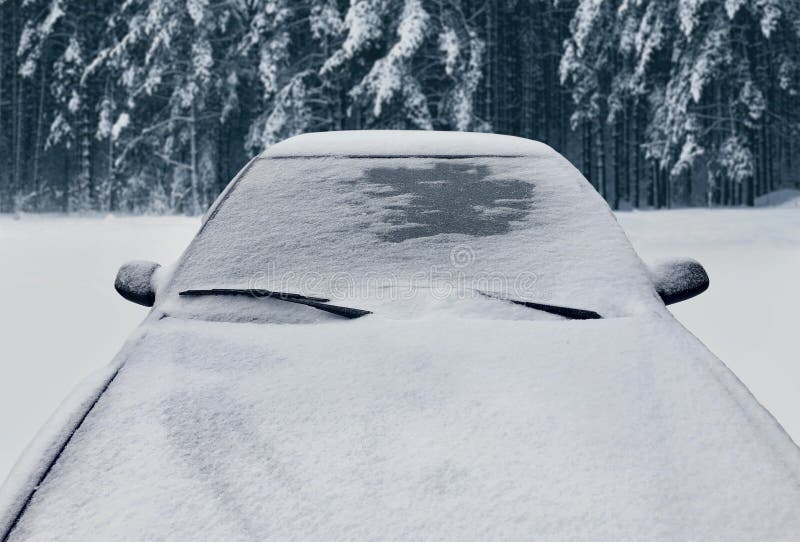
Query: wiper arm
[566, 312]
[253, 292]
[320, 303]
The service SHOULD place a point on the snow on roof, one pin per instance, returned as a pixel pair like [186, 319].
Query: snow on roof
[405, 143]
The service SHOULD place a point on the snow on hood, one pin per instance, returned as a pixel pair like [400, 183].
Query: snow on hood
[625, 429]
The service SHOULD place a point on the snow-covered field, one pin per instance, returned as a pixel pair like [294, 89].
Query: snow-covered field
[60, 317]
[748, 317]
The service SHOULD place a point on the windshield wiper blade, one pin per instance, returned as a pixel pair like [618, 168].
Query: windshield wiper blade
[347, 312]
[253, 292]
[320, 303]
[566, 312]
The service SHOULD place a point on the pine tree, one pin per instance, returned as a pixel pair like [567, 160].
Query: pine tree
[153, 105]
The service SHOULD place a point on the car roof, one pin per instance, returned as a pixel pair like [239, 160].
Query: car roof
[395, 143]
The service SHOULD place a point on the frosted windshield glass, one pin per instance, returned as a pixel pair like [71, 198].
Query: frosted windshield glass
[524, 227]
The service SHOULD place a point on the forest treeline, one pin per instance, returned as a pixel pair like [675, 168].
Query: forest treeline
[153, 105]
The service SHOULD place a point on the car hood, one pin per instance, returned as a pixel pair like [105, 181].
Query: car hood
[437, 428]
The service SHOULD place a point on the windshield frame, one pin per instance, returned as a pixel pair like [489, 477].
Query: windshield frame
[250, 176]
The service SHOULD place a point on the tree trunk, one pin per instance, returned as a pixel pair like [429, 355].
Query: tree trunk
[688, 187]
[38, 140]
[195, 205]
[637, 154]
[83, 195]
[16, 101]
[601, 156]
[4, 188]
[615, 162]
[587, 153]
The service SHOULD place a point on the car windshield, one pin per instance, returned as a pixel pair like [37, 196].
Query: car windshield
[524, 228]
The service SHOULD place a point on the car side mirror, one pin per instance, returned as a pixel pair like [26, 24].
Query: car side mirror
[134, 282]
[679, 280]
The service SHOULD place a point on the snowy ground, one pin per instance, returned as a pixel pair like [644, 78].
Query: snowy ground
[748, 317]
[60, 317]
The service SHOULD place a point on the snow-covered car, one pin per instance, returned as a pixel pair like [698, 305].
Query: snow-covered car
[409, 335]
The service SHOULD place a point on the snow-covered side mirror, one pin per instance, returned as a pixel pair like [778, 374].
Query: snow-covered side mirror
[134, 282]
[678, 280]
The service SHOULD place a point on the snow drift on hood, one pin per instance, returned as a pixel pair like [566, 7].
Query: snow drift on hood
[624, 429]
